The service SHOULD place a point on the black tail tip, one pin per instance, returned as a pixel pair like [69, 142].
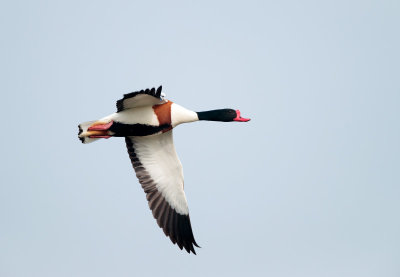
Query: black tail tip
[80, 132]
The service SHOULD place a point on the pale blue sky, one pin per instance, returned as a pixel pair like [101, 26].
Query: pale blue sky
[309, 187]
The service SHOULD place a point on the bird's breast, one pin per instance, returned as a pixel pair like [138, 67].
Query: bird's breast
[163, 113]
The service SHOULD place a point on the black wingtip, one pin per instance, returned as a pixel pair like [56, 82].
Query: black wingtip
[80, 132]
[158, 92]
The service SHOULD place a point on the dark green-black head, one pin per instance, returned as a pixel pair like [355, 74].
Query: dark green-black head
[225, 115]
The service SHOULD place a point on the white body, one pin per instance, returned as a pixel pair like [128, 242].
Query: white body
[146, 115]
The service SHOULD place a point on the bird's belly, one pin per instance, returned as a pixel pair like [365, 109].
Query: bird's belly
[125, 130]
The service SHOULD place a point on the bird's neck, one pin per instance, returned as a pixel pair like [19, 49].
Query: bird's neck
[181, 115]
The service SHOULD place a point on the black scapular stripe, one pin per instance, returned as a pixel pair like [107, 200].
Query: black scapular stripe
[125, 130]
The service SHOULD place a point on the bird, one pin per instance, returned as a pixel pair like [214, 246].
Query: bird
[145, 119]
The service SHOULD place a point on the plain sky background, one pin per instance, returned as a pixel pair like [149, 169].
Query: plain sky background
[309, 187]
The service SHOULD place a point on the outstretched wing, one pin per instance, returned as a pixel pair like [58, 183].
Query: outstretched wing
[160, 173]
[148, 97]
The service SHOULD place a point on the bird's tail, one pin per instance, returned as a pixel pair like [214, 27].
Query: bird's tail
[83, 128]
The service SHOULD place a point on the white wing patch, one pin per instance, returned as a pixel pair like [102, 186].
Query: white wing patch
[158, 156]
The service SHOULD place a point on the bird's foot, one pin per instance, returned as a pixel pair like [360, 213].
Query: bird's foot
[100, 126]
[99, 130]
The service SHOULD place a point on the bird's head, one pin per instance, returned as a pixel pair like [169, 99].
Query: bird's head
[225, 115]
